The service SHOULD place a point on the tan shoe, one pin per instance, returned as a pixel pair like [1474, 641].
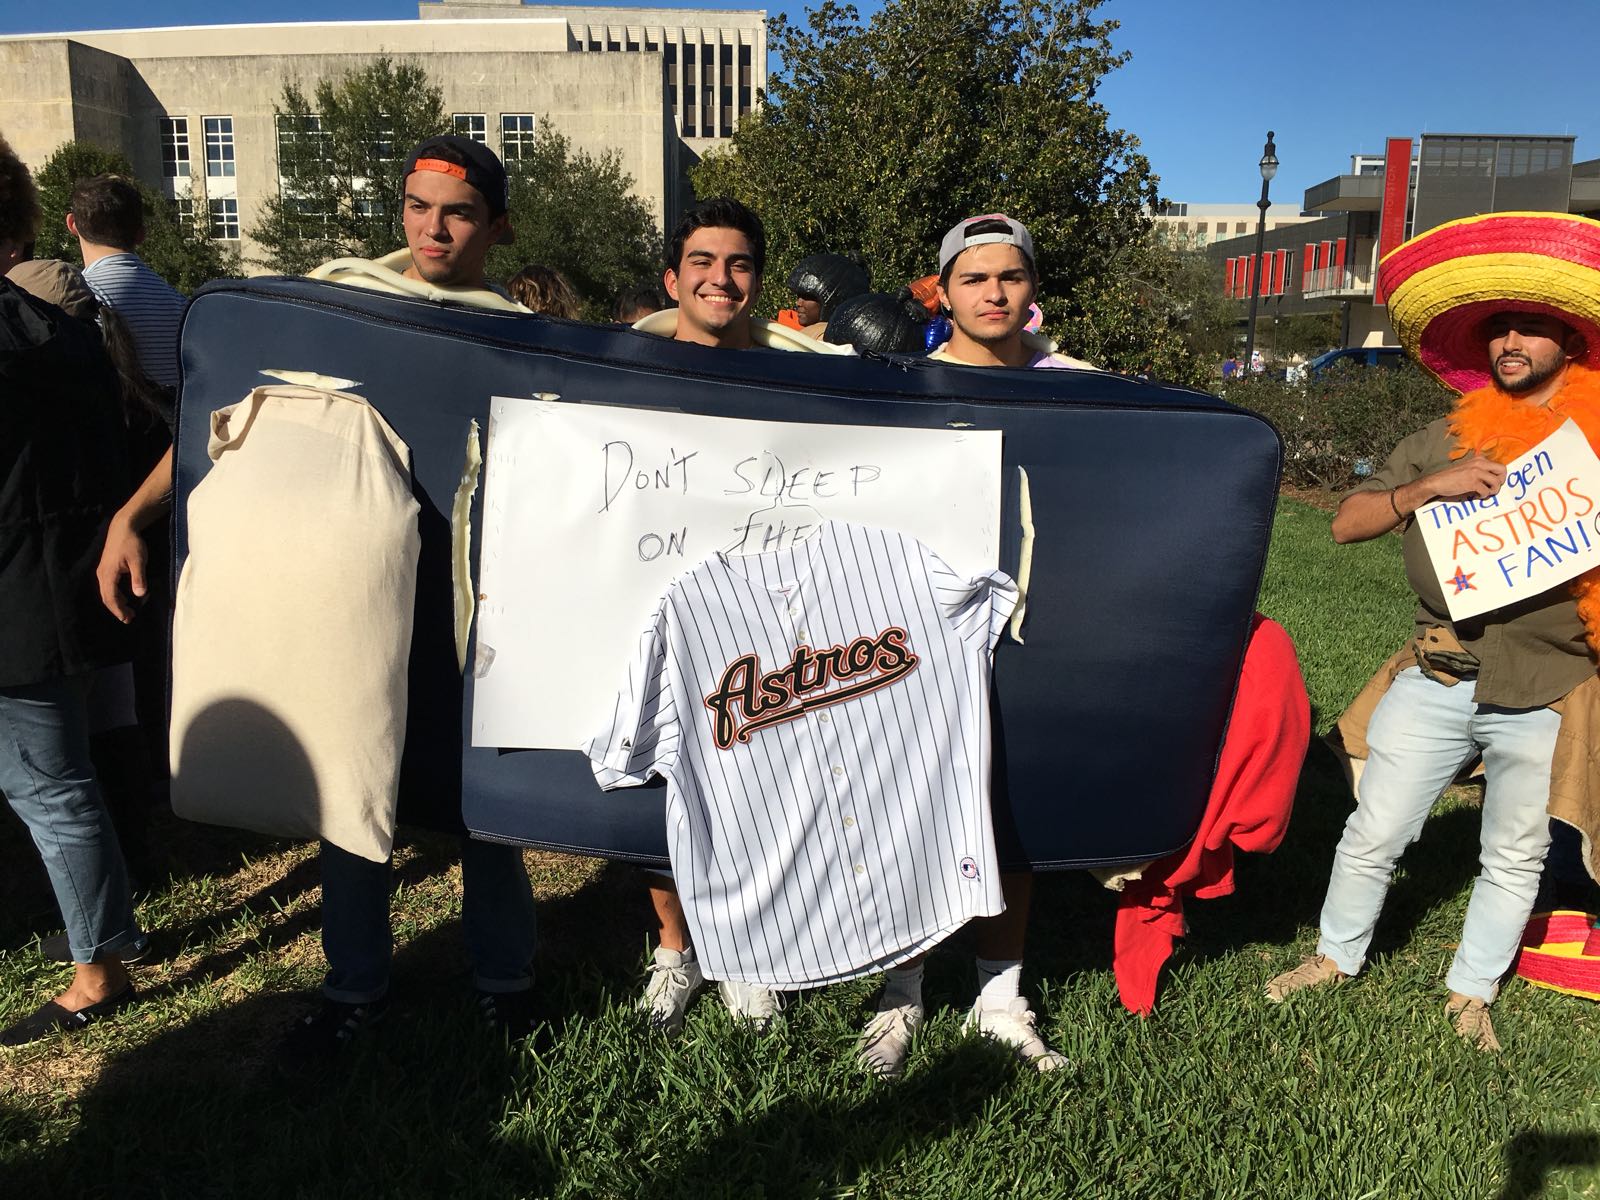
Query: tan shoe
[1314, 970]
[1470, 1016]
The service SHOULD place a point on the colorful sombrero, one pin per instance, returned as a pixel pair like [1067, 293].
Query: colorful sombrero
[1443, 284]
[1561, 951]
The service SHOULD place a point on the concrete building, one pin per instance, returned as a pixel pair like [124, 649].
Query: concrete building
[1331, 263]
[193, 108]
[1196, 226]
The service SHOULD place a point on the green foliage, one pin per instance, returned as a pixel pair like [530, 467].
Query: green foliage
[340, 151]
[576, 212]
[1349, 417]
[180, 251]
[1300, 335]
[879, 135]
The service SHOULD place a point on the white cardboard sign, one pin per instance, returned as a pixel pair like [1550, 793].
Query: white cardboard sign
[1542, 528]
[591, 511]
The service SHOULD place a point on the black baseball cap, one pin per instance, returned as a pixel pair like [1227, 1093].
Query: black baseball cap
[464, 159]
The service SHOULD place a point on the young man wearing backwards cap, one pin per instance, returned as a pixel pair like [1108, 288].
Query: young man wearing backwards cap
[987, 280]
[1504, 309]
[453, 198]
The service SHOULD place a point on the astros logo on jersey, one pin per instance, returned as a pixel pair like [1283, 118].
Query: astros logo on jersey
[747, 700]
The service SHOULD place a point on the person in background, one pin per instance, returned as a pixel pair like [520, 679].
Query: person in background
[62, 473]
[638, 301]
[545, 290]
[820, 283]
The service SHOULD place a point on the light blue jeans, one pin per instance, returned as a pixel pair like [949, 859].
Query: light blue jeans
[497, 918]
[47, 777]
[1419, 737]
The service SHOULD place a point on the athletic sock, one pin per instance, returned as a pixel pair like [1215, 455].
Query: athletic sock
[903, 985]
[999, 981]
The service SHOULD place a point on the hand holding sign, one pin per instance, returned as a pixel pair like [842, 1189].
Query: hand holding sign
[1494, 547]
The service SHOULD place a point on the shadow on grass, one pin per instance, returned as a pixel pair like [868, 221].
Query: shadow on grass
[1531, 1156]
[203, 1111]
[1279, 895]
[802, 1146]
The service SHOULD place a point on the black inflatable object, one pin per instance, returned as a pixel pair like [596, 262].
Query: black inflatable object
[879, 323]
[1152, 508]
[828, 279]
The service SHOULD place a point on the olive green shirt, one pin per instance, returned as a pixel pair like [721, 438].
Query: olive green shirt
[1530, 653]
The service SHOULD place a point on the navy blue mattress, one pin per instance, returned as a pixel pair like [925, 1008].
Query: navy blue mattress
[1153, 507]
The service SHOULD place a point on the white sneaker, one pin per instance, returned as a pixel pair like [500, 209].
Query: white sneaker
[1016, 1026]
[750, 1003]
[886, 1041]
[673, 983]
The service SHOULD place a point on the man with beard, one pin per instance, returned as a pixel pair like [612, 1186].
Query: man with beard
[1501, 309]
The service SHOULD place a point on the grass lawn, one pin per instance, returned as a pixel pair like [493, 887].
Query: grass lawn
[1361, 1091]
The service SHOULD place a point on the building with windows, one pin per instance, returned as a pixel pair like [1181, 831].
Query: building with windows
[194, 108]
[1196, 226]
[1330, 263]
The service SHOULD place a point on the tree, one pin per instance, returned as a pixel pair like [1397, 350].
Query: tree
[1300, 335]
[340, 151]
[577, 213]
[877, 136]
[179, 250]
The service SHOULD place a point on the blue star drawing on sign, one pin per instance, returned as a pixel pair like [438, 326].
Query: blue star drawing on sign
[1463, 581]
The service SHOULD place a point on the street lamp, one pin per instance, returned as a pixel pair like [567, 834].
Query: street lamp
[1269, 168]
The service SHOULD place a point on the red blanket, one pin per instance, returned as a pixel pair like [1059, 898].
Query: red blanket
[1249, 807]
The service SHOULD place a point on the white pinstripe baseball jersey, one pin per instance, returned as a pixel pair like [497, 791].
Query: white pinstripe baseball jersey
[821, 717]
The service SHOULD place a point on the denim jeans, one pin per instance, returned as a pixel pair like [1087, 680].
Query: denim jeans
[1420, 735]
[497, 918]
[47, 778]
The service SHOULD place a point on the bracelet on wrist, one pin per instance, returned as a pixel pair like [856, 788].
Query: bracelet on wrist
[1394, 504]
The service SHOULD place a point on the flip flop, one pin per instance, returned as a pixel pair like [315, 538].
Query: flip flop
[51, 1017]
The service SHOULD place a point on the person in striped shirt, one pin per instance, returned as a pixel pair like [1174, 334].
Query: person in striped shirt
[107, 218]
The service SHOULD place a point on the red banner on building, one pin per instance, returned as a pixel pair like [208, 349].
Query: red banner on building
[1227, 286]
[1308, 267]
[1396, 200]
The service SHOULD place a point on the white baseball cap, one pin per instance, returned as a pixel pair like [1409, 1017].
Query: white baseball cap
[959, 239]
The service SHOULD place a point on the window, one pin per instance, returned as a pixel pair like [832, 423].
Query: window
[516, 137]
[219, 150]
[383, 148]
[1240, 228]
[175, 147]
[311, 219]
[225, 219]
[474, 126]
[183, 209]
[744, 80]
[303, 145]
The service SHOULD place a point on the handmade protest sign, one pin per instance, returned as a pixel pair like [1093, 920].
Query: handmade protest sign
[1542, 528]
[590, 511]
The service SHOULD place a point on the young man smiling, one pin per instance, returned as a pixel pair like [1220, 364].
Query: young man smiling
[715, 258]
[714, 261]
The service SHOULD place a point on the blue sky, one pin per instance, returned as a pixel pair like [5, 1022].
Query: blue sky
[1208, 78]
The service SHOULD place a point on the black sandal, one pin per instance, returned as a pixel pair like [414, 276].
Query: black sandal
[51, 1017]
